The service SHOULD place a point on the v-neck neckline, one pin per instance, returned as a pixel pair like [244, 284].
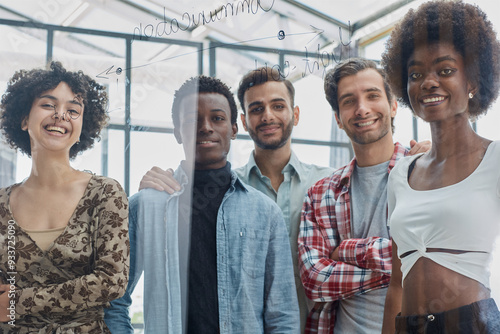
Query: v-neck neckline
[79, 204]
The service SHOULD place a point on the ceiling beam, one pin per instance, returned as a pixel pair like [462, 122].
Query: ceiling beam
[379, 14]
[9, 10]
[318, 14]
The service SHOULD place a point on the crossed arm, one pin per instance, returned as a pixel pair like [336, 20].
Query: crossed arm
[332, 269]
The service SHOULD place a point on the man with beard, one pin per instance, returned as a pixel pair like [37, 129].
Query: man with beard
[344, 243]
[269, 115]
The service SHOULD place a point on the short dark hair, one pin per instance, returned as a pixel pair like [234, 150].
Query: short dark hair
[347, 68]
[26, 85]
[202, 84]
[467, 28]
[260, 76]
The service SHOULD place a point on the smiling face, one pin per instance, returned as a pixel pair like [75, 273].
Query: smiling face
[437, 83]
[55, 120]
[269, 117]
[205, 125]
[364, 111]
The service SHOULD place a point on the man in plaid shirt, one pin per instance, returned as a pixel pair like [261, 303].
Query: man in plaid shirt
[344, 244]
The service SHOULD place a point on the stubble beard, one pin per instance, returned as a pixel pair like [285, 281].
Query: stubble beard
[369, 138]
[275, 144]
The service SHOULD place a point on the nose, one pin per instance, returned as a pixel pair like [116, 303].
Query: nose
[267, 115]
[430, 81]
[205, 126]
[56, 116]
[363, 109]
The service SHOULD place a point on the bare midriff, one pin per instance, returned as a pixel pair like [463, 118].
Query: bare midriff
[430, 288]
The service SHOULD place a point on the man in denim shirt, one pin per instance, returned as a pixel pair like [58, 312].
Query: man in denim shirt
[240, 274]
[269, 116]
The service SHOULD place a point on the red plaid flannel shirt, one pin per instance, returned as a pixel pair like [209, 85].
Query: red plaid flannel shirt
[365, 264]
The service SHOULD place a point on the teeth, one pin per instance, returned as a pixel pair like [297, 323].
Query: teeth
[434, 99]
[365, 123]
[205, 142]
[55, 128]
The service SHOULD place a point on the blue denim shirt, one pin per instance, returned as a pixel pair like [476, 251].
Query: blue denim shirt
[256, 288]
[298, 177]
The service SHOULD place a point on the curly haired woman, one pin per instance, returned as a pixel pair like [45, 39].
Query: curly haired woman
[443, 61]
[63, 233]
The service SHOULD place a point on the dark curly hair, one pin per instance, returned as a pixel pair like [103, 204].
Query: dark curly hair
[202, 84]
[25, 86]
[260, 76]
[467, 28]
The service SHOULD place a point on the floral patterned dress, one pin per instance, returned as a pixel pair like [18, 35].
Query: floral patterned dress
[65, 288]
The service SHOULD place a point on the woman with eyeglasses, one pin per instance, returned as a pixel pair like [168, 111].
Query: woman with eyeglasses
[64, 250]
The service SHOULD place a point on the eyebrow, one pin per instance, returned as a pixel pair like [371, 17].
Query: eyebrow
[53, 98]
[218, 110]
[371, 89]
[278, 99]
[436, 61]
[215, 110]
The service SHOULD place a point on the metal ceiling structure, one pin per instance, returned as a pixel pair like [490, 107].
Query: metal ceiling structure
[239, 22]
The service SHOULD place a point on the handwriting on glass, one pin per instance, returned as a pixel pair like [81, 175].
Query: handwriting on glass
[188, 21]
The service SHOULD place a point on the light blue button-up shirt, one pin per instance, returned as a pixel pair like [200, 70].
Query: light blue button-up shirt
[254, 269]
[298, 178]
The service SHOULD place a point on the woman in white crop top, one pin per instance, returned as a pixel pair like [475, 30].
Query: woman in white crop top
[443, 61]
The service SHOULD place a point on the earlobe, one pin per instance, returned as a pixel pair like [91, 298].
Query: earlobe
[394, 108]
[472, 90]
[296, 114]
[472, 93]
[338, 121]
[24, 124]
[243, 121]
[235, 130]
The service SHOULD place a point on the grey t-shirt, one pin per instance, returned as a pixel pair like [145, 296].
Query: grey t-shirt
[364, 313]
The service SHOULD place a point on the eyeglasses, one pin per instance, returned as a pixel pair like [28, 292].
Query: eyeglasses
[67, 115]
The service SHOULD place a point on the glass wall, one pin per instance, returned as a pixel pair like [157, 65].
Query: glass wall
[142, 75]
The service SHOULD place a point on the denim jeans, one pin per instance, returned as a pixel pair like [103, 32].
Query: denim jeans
[479, 317]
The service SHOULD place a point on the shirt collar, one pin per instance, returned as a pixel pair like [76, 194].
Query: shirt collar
[345, 179]
[293, 165]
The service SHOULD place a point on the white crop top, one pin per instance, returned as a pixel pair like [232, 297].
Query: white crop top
[464, 216]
